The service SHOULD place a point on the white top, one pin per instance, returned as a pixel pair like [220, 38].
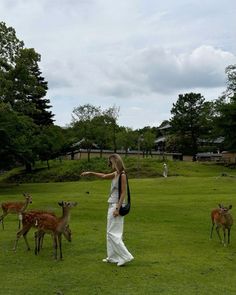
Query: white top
[114, 192]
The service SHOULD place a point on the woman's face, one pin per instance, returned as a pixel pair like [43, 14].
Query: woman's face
[110, 163]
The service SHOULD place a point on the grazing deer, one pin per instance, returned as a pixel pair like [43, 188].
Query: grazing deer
[54, 225]
[28, 221]
[15, 208]
[221, 217]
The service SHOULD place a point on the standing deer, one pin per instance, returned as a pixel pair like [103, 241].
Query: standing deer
[15, 208]
[54, 225]
[221, 217]
[28, 221]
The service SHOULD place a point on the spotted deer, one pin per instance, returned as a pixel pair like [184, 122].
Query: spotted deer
[28, 221]
[53, 225]
[15, 208]
[222, 218]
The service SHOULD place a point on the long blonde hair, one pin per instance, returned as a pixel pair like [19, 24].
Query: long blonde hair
[117, 162]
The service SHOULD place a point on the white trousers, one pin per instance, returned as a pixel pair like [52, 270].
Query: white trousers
[116, 250]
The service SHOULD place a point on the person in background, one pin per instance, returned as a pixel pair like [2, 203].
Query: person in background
[116, 249]
[165, 170]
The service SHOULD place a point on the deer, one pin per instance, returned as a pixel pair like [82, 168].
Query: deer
[15, 208]
[28, 221]
[54, 225]
[221, 217]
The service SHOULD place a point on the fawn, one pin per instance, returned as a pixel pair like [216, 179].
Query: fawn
[54, 225]
[15, 208]
[221, 217]
[28, 221]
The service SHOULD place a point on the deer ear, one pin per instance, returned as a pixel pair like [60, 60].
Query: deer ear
[220, 206]
[60, 203]
[230, 206]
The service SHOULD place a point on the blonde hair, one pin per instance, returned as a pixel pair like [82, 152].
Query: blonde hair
[117, 162]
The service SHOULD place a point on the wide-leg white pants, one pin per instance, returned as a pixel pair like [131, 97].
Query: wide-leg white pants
[116, 249]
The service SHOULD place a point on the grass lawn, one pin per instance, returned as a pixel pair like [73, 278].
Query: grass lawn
[167, 231]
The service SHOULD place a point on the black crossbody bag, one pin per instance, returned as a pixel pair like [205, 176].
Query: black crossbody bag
[124, 209]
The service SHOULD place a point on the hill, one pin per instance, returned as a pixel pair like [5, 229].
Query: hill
[69, 170]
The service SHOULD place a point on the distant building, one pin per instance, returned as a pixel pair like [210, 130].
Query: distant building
[209, 157]
[160, 142]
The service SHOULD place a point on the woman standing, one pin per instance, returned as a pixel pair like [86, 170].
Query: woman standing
[116, 249]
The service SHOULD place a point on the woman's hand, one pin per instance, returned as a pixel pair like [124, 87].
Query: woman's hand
[87, 173]
[116, 213]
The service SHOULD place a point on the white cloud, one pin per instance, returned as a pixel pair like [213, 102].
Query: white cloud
[136, 54]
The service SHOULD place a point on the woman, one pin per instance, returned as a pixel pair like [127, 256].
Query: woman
[116, 249]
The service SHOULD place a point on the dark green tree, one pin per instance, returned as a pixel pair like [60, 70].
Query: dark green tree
[10, 45]
[51, 142]
[191, 120]
[126, 138]
[95, 127]
[148, 142]
[225, 119]
[101, 136]
[21, 82]
[18, 139]
[82, 118]
[112, 115]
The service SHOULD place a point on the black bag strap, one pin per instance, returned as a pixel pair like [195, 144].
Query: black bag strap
[127, 186]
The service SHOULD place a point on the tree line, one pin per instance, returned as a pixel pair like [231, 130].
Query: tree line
[28, 132]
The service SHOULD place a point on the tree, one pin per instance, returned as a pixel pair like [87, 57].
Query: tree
[95, 126]
[226, 123]
[225, 119]
[82, 117]
[231, 81]
[10, 45]
[100, 134]
[112, 115]
[126, 138]
[191, 120]
[18, 134]
[148, 141]
[85, 113]
[50, 143]
[21, 82]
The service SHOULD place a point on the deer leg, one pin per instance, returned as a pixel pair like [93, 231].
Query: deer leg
[40, 239]
[224, 241]
[60, 245]
[218, 232]
[37, 240]
[36, 243]
[1, 219]
[26, 241]
[18, 235]
[212, 228]
[21, 232]
[20, 220]
[55, 245]
[228, 235]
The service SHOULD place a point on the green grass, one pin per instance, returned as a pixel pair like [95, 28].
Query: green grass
[67, 170]
[167, 231]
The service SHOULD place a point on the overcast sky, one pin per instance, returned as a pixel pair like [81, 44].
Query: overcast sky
[138, 55]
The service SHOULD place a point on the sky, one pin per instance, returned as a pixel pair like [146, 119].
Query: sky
[136, 55]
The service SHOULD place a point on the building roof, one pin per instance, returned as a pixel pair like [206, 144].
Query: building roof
[160, 139]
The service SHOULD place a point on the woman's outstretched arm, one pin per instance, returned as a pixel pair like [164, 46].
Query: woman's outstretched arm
[99, 174]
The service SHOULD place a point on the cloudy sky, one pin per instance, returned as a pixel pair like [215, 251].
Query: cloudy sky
[138, 55]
